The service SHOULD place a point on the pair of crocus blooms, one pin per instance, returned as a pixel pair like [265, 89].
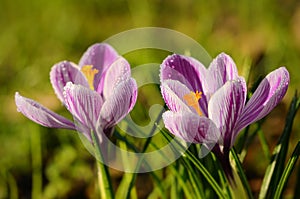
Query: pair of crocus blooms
[207, 105]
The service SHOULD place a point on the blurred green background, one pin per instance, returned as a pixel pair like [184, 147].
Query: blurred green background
[44, 163]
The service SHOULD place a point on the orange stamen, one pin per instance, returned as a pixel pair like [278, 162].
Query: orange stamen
[192, 100]
[89, 73]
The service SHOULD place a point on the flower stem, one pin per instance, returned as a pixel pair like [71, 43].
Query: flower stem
[240, 175]
[104, 180]
[36, 152]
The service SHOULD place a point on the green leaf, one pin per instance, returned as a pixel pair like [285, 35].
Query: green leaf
[287, 171]
[104, 178]
[297, 184]
[145, 147]
[195, 181]
[123, 188]
[247, 138]
[241, 173]
[222, 175]
[188, 156]
[275, 169]
[264, 144]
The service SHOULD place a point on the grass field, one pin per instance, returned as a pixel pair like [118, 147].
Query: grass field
[36, 162]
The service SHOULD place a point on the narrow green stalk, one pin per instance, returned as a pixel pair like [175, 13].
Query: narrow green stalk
[194, 179]
[264, 144]
[145, 147]
[36, 154]
[173, 190]
[207, 175]
[181, 183]
[159, 185]
[276, 166]
[242, 140]
[297, 184]
[123, 188]
[12, 186]
[104, 181]
[241, 173]
[222, 176]
[248, 140]
[156, 180]
[104, 185]
[190, 156]
[287, 171]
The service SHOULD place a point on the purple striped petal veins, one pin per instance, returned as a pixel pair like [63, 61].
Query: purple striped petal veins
[216, 96]
[80, 88]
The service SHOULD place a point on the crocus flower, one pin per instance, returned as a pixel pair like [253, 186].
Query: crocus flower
[208, 105]
[98, 92]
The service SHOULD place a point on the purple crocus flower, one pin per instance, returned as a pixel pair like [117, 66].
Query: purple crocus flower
[98, 92]
[208, 106]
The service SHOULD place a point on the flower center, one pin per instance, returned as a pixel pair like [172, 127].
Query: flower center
[89, 73]
[192, 100]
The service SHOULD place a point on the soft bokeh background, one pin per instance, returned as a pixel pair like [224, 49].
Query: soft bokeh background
[36, 34]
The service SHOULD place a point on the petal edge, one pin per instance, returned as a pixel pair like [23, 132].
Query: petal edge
[268, 94]
[40, 114]
[191, 128]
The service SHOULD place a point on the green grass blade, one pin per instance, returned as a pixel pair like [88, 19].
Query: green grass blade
[36, 154]
[287, 171]
[241, 173]
[104, 179]
[243, 145]
[195, 180]
[190, 157]
[222, 175]
[158, 188]
[264, 144]
[145, 147]
[12, 191]
[276, 166]
[297, 184]
[157, 181]
[126, 179]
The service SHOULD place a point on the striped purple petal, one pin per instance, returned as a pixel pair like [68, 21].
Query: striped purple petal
[100, 56]
[268, 94]
[117, 72]
[83, 103]
[225, 107]
[181, 68]
[64, 72]
[173, 92]
[41, 115]
[118, 104]
[188, 71]
[191, 128]
[221, 70]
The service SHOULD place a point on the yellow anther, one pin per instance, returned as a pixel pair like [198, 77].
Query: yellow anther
[198, 95]
[192, 100]
[89, 73]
